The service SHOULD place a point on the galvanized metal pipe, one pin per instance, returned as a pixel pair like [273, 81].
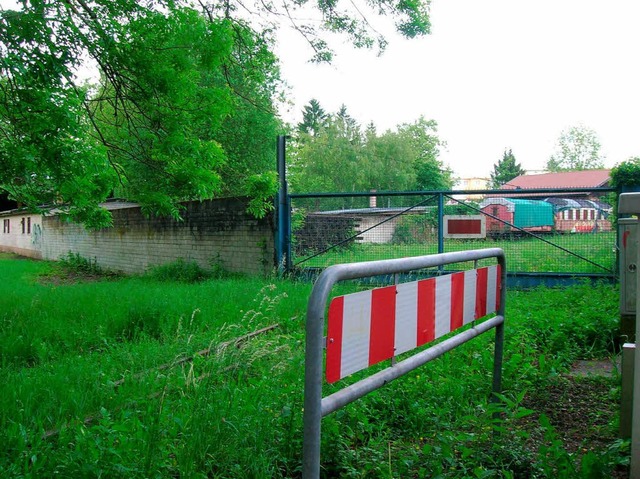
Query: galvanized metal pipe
[499, 338]
[313, 407]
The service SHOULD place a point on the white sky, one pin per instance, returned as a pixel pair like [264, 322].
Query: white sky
[494, 74]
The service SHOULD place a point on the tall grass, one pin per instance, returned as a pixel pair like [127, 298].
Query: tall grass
[93, 384]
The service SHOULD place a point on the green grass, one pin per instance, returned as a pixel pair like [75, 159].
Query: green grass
[523, 254]
[87, 388]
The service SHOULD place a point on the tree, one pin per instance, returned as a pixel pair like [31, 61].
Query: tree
[343, 159]
[386, 163]
[328, 161]
[626, 173]
[348, 18]
[248, 133]
[625, 176]
[348, 125]
[578, 148]
[172, 84]
[370, 130]
[314, 118]
[176, 88]
[431, 174]
[505, 170]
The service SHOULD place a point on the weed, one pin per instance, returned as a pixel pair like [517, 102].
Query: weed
[76, 262]
[265, 303]
[180, 271]
[189, 272]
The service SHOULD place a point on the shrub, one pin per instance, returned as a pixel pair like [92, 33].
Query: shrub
[184, 271]
[412, 229]
[74, 263]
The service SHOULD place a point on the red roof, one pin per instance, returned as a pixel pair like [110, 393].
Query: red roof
[566, 179]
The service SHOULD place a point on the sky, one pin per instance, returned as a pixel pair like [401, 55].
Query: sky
[495, 75]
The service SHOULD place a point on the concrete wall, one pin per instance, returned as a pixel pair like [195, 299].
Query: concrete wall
[212, 232]
[21, 233]
[381, 233]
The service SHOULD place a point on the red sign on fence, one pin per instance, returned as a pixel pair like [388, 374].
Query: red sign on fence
[368, 327]
[465, 227]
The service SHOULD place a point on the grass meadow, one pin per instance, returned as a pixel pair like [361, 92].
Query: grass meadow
[148, 377]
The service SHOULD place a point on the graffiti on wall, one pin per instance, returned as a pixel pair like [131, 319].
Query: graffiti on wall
[36, 235]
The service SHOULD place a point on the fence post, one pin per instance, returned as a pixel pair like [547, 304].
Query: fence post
[283, 214]
[288, 235]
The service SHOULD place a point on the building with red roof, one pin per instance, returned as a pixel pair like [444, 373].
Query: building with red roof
[575, 211]
[565, 179]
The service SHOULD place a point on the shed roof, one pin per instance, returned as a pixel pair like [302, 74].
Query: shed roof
[376, 211]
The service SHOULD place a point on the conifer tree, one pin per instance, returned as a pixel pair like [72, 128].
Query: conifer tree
[505, 170]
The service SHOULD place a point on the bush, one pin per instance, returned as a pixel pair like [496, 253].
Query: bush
[626, 173]
[75, 263]
[186, 271]
[412, 229]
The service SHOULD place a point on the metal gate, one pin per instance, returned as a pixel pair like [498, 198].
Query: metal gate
[551, 236]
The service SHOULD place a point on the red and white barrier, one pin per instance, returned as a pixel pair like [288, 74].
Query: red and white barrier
[372, 326]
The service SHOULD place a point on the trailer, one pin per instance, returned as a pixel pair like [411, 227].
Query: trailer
[514, 216]
[580, 215]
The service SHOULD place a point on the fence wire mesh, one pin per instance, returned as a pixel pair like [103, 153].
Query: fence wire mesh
[550, 231]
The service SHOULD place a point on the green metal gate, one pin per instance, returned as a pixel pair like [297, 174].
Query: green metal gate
[549, 235]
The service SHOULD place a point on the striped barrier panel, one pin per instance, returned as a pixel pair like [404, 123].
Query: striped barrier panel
[368, 327]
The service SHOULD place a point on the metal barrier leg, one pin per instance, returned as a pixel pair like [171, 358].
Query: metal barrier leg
[312, 414]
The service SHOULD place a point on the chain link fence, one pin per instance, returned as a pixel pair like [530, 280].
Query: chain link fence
[568, 231]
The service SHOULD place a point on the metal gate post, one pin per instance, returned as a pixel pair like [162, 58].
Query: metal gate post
[288, 235]
[281, 212]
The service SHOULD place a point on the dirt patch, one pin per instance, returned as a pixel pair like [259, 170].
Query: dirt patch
[605, 368]
[63, 276]
[14, 256]
[582, 407]
[68, 278]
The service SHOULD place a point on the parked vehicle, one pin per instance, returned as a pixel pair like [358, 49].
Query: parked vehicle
[580, 216]
[514, 216]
